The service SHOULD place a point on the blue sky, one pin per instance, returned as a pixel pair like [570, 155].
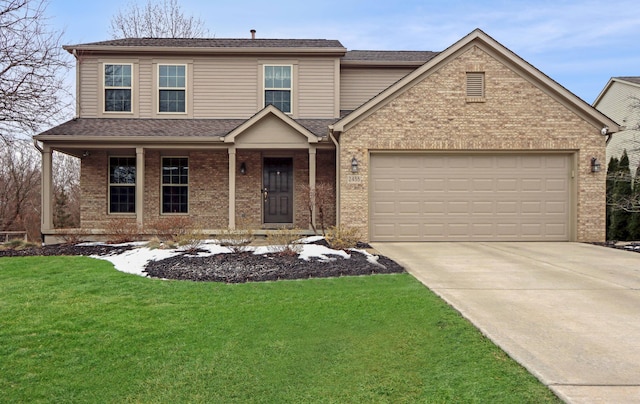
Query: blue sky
[580, 44]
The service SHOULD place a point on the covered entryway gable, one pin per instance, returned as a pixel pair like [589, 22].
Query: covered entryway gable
[276, 137]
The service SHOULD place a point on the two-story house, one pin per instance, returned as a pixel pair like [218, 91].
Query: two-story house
[620, 100]
[471, 143]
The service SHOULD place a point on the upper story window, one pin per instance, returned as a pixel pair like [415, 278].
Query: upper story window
[117, 88]
[172, 88]
[277, 87]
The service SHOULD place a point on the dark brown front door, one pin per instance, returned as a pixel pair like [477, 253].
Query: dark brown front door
[277, 190]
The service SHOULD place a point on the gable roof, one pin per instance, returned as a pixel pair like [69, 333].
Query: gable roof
[630, 80]
[478, 37]
[270, 110]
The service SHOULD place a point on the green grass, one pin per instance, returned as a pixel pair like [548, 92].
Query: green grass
[73, 329]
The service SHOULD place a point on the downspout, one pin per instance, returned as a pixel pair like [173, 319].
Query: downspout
[335, 142]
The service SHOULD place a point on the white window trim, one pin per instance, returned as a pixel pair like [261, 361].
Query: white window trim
[105, 87]
[110, 184]
[187, 185]
[185, 88]
[265, 88]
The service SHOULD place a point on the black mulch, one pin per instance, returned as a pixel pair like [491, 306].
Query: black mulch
[65, 249]
[233, 268]
[248, 267]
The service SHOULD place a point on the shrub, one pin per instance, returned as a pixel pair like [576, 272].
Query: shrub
[191, 240]
[236, 239]
[342, 238]
[283, 241]
[17, 244]
[121, 231]
[71, 236]
[170, 228]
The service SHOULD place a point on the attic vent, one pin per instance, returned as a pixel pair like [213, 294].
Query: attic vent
[475, 85]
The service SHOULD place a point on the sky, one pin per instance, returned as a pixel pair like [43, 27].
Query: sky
[579, 44]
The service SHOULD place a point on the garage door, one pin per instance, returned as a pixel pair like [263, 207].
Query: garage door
[470, 197]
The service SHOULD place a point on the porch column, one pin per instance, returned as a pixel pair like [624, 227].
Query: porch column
[232, 187]
[312, 179]
[47, 190]
[140, 186]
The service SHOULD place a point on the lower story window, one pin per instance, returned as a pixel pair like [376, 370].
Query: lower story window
[122, 185]
[175, 184]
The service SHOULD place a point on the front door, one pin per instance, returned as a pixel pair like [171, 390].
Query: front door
[277, 190]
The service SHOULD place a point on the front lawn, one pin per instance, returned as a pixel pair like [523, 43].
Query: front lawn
[73, 329]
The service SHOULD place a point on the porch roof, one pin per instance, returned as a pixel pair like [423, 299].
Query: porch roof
[84, 128]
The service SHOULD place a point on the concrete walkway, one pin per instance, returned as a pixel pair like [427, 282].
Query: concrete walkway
[568, 312]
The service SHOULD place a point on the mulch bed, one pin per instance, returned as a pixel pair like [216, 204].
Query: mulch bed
[65, 249]
[234, 268]
[248, 267]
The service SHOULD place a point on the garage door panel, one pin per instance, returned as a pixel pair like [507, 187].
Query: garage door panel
[470, 197]
[383, 185]
[506, 185]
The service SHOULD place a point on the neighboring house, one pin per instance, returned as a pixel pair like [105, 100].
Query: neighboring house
[472, 143]
[620, 100]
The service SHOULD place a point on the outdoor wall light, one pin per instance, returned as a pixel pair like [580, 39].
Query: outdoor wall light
[243, 168]
[595, 165]
[354, 165]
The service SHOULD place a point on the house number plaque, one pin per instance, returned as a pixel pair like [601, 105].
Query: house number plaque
[354, 179]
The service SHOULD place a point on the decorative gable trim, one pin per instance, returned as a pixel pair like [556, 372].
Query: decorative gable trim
[270, 110]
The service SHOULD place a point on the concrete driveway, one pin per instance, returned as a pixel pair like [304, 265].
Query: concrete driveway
[568, 312]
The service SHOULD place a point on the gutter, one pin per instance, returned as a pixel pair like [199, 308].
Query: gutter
[335, 142]
[37, 146]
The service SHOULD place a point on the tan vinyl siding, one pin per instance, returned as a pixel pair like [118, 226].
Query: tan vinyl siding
[617, 105]
[89, 87]
[225, 87]
[220, 87]
[358, 85]
[145, 82]
[316, 83]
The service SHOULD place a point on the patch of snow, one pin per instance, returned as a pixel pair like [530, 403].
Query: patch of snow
[134, 261]
[319, 251]
[372, 259]
[99, 243]
[311, 239]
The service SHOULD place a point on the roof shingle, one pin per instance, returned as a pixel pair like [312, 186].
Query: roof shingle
[112, 127]
[215, 43]
[630, 79]
[389, 56]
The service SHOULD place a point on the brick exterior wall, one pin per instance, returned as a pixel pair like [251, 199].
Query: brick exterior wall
[434, 115]
[208, 188]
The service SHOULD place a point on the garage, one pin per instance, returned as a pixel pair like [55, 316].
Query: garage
[470, 197]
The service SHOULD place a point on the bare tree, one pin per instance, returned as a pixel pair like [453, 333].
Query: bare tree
[32, 69]
[20, 184]
[162, 19]
[66, 190]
